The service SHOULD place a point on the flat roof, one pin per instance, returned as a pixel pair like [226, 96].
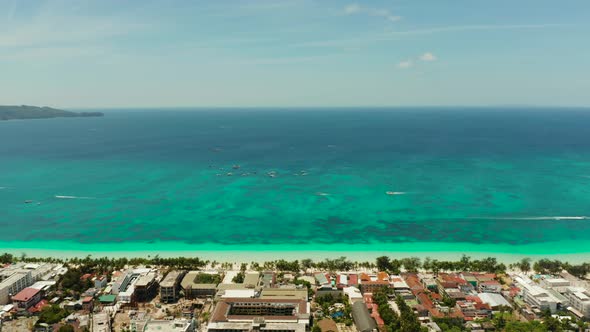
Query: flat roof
[170, 279]
[284, 293]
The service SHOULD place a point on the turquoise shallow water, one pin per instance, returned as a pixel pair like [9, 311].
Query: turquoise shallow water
[489, 180]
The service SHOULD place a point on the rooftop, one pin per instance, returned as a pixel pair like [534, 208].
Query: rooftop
[170, 279]
[25, 294]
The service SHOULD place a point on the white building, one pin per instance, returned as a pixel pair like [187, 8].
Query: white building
[559, 284]
[101, 322]
[579, 299]
[537, 296]
[177, 325]
[14, 283]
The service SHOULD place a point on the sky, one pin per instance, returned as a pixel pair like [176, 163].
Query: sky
[294, 53]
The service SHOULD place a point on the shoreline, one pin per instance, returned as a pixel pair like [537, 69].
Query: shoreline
[317, 252]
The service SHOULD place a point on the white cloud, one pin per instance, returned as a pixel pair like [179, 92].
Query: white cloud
[428, 57]
[384, 13]
[405, 64]
[352, 9]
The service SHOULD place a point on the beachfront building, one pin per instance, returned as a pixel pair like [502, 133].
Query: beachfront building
[579, 301]
[170, 286]
[373, 283]
[146, 287]
[558, 284]
[240, 314]
[126, 284]
[299, 294]
[538, 297]
[194, 289]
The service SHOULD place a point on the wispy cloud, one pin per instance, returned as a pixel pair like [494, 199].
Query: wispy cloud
[405, 64]
[59, 24]
[458, 28]
[398, 35]
[355, 8]
[428, 57]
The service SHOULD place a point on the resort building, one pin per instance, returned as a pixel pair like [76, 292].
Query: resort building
[558, 284]
[12, 282]
[193, 289]
[146, 287]
[170, 286]
[579, 301]
[241, 314]
[537, 296]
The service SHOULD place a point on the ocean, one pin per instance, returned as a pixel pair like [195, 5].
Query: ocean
[412, 180]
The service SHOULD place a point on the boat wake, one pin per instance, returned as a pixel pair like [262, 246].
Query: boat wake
[537, 218]
[395, 193]
[73, 197]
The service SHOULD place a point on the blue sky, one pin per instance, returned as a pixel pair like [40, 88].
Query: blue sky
[294, 53]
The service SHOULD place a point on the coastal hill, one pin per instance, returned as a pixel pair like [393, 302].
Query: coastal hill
[33, 112]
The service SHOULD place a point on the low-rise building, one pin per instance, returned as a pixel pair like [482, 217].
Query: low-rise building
[362, 318]
[177, 325]
[193, 289]
[238, 315]
[26, 298]
[101, 322]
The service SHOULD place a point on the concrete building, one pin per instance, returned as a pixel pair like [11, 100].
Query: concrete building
[101, 322]
[170, 286]
[558, 284]
[177, 325]
[299, 294]
[192, 289]
[494, 300]
[26, 298]
[12, 282]
[146, 287]
[260, 315]
[353, 293]
[537, 296]
[362, 318]
[579, 301]
[100, 282]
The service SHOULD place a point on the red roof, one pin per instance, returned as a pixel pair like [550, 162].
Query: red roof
[87, 299]
[86, 276]
[25, 294]
[38, 307]
[353, 279]
[376, 316]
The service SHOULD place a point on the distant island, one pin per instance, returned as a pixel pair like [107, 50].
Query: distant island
[32, 112]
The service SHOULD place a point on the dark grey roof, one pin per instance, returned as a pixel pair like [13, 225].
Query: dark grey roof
[362, 318]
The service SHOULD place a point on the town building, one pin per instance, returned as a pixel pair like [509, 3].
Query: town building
[579, 301]
[146, 287]
[170, 286]
[260, 315]
[538, 297]
[13, 281]
[192, 289]
[362, 318]
[26, 298]
[101, 322]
